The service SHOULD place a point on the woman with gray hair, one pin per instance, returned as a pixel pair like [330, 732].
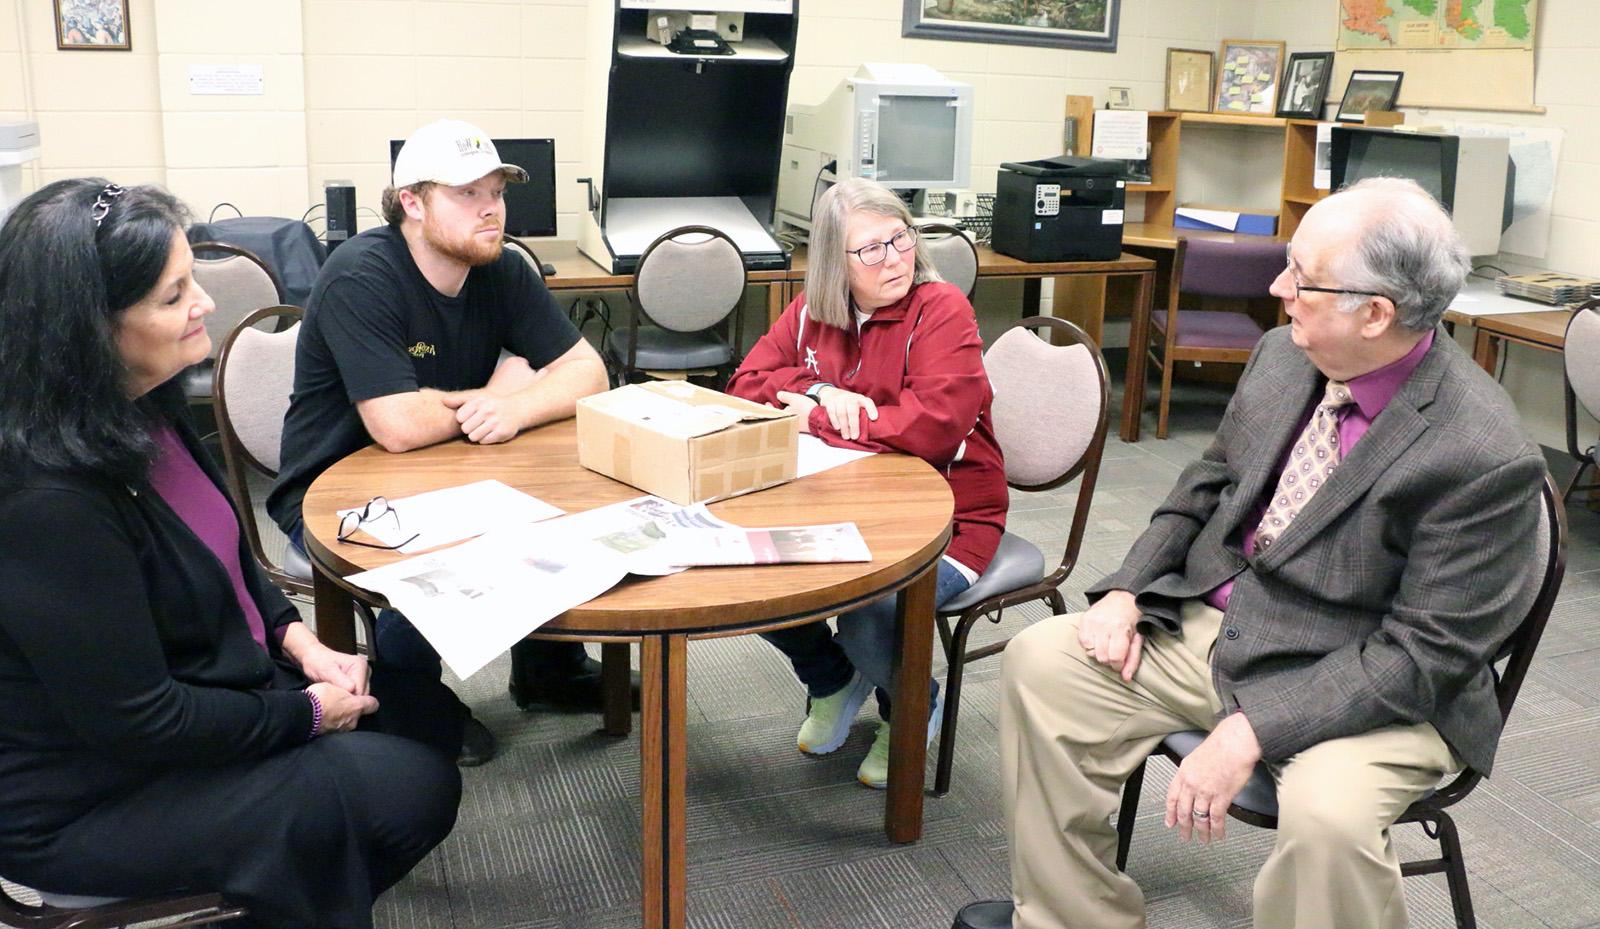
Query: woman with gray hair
[880, 354]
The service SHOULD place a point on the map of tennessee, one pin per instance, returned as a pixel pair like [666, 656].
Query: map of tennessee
[1453, 23]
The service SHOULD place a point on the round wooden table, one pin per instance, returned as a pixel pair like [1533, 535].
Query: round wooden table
[901, 505]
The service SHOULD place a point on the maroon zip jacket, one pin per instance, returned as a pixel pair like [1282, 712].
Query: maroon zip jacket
[921, 362]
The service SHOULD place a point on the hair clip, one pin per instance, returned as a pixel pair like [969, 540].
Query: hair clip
[102, 203]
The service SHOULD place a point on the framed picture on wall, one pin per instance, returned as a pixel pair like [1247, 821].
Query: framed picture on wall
[1305, 85]
[1089, 25]
[87, 25]
[1189, 79]
[1369, 92]
[1247, 77]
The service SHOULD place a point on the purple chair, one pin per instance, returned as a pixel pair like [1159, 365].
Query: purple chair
[1240, 269]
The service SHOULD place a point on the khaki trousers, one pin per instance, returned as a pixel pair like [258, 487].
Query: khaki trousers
[1071, 731]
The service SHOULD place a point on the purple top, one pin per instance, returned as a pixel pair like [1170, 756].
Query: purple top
[1372, 392]
[178, 478]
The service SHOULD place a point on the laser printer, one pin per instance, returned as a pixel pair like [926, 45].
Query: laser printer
[1059, 209]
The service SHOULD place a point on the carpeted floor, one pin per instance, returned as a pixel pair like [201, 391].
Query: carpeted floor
[548, 832]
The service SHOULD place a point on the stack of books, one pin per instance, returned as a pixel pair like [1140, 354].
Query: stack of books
[1549, 287]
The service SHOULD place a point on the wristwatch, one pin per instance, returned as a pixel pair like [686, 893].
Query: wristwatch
[815, 390]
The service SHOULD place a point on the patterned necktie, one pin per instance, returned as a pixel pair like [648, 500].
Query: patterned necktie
[1315, 456]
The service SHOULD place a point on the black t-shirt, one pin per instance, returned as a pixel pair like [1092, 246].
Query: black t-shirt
[374, 327]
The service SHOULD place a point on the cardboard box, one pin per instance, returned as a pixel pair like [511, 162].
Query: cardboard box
[1220, 220]
[686, 443]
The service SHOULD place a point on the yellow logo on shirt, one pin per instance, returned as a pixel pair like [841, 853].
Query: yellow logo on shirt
[421, 349]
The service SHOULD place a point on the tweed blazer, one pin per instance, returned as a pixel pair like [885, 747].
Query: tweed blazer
[1386, 599]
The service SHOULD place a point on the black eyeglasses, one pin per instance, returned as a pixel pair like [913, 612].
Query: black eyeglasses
[376, 508]
[1288, 255]
[873, 253]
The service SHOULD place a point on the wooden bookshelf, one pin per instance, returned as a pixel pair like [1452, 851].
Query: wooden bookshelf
[1299, 141]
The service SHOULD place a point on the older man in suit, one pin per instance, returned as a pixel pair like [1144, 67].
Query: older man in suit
[1323, 590]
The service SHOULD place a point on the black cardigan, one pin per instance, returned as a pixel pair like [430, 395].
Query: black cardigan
[123, 649]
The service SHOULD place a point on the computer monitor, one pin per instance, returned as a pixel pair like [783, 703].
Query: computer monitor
[530, 207]
[905, 126]
[1472, 177]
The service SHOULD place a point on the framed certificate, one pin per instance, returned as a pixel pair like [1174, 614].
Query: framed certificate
[1189, 79]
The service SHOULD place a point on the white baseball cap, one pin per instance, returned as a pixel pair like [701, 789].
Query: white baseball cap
[452, 153]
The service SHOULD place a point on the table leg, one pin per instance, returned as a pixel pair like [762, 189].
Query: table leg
[335, 612]
[662, 776]
[1485, 351]
[913, 667]
[1138, 336]
[614, 681]
[1032, 296]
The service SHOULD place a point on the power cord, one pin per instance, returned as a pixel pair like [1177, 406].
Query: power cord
[213, 217]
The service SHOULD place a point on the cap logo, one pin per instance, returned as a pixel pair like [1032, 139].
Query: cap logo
[469, 145]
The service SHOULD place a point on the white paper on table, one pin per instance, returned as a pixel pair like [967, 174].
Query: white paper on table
[475, 600]
[440, 517]
[774, 545]
[817, 455]
[1121, 134]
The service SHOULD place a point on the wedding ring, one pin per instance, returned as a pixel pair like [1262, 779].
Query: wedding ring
[1201, 815]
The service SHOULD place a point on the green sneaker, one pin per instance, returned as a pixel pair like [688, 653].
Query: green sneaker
[828, 718]
[874, 770]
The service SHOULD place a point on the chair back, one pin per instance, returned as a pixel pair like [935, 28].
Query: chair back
[1581, 356]
[255, 376]
[238, 282]
[1516, 653]
[1051, 402]
[953, 252]
[1243, 268]
[521, 250]
[689, 279]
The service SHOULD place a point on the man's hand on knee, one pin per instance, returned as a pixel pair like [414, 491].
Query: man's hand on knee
[1108, 632]
[1209, 779]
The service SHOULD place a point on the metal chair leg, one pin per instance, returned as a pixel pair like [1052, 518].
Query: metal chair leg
[952, 704]
[944, 636]
[1455, 872]
[1128, 812]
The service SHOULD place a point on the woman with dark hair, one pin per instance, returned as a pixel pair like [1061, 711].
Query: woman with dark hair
[166, 721]
[880, 354]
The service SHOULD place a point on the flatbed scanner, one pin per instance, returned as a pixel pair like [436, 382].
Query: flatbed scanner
[1059, 209]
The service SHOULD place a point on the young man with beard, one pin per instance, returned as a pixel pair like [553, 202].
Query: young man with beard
[401, 346]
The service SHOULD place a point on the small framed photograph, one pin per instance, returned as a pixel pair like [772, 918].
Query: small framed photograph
[1119, 98]
[1369, 92]
[1247, 77]
[92, 25]
[1305, 85]
[1189, 79]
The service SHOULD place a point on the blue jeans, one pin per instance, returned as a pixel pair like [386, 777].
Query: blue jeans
[824, 660]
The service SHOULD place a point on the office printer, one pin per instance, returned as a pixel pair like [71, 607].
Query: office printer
[1059, 209]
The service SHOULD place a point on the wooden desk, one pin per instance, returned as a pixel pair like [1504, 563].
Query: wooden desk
[906, 530]
[1543, 329]
[1090, 316]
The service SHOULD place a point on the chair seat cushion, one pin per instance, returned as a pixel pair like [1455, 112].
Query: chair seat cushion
[74, 901]
[1211, 329]
[665, 350]
[1017, 563]
[296, 564]
[1260, 793]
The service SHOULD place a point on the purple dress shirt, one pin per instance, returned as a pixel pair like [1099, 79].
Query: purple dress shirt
[177, 477]
[1372, 392]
